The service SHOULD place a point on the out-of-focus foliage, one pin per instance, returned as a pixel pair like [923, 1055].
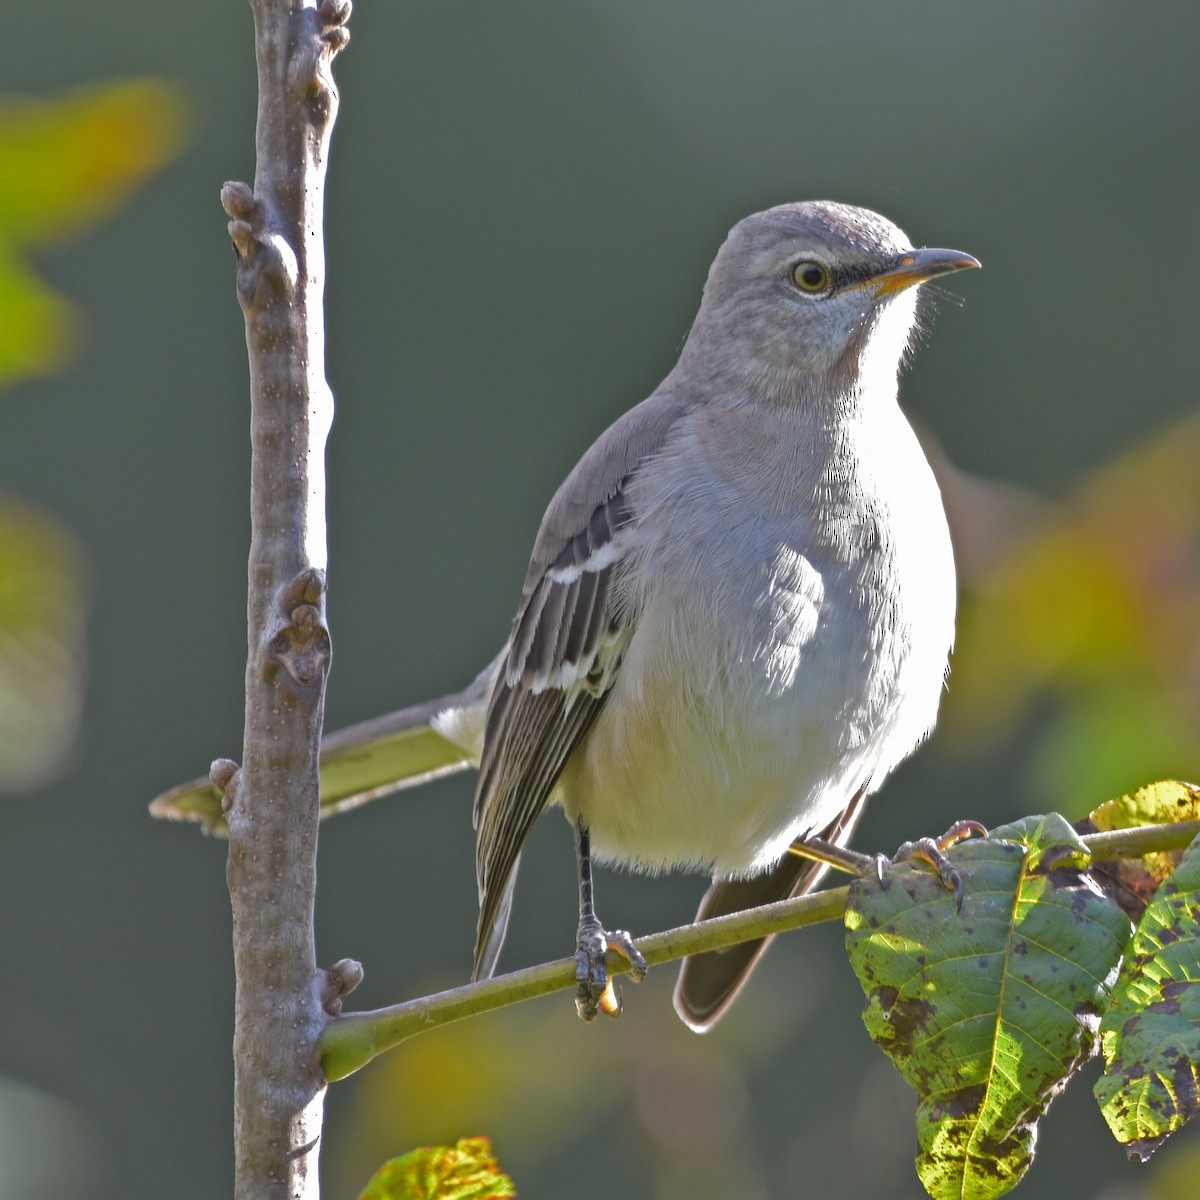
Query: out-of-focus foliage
[1095, 608]
[65, 164]
[465, 1171]
[1174, 1178]
[42, 657]
[987, 1011]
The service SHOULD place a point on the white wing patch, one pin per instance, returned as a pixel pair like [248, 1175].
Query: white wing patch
[567, 636]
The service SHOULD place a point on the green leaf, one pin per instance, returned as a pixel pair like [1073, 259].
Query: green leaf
[65, 164]
[986, 1012]
[465, 1171]
[1150, 1034]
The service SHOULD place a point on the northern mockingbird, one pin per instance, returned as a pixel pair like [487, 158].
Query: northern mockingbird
[739, 607]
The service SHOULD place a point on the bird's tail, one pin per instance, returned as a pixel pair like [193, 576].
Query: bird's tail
[370, 760]
[489, 940]
[709, 983]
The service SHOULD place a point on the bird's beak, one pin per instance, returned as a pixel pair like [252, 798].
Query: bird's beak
[917, 266]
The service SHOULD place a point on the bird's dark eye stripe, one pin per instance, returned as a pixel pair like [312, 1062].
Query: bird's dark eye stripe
[844, 277]
[859, 273]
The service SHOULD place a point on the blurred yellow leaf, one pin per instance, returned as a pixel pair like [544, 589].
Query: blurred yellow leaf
[73, 160]
[37, 326]
[41, 645]
[67, 163]
[1096, 607]
[1174, 1178]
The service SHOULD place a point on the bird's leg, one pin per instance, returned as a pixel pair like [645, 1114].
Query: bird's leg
[832, 855]
[929, 850]
[594, 990]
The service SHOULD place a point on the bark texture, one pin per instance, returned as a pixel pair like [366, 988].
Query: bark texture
[273, 800]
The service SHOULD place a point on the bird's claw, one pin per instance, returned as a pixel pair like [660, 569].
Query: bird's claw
[932, 851]
[882, 862]
[960, 831]
[594, 990]
[928, 851]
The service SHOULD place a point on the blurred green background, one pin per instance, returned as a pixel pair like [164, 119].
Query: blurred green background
[523, 202]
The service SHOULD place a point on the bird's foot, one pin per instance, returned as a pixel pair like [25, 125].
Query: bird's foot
[932, 851]
[594, 990]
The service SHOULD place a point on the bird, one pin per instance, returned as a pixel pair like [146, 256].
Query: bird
[738, 612]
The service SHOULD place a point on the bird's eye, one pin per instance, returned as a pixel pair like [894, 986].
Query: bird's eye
[811, 277]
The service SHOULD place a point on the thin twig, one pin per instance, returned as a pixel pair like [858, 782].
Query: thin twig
[351, 1041]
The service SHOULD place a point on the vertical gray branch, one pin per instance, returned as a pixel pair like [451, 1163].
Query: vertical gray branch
[273, 801]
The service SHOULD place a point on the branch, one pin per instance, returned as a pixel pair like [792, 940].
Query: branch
[273, 801]
[351, 1041]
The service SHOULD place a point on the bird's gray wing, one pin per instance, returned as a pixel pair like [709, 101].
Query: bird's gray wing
[569, 635]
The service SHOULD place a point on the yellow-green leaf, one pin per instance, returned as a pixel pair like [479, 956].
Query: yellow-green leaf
[1159, 803]
[1134, 880]
[465, 1171]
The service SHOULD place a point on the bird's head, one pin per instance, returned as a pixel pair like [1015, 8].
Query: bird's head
[821, 289]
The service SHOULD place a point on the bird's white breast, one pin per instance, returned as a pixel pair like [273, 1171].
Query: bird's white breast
[796, 603]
